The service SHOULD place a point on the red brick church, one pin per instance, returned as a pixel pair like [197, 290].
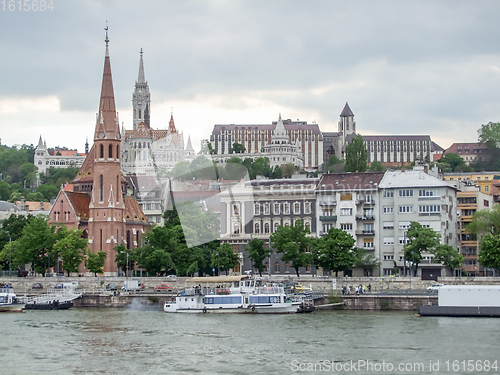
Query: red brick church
[97, 204]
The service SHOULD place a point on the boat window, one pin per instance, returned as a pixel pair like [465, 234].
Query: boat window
[222, 300]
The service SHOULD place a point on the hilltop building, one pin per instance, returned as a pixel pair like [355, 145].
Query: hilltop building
[58, 157]
[98, 204]
[300, 143]
[470, 152]
[146, 151]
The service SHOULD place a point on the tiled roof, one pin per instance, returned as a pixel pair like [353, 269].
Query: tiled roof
[435, 147]
[80, 203]
[350, 181]
[133, 212]
[86, 172]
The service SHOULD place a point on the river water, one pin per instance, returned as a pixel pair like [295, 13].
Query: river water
[141, 341]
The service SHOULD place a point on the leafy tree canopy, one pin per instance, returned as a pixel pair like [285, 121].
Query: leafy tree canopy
[490, 251]
[334, 251]
[419, 240]
[449, 256]
[224, 258]
[258, 252]
[356, 155]
[294, 243]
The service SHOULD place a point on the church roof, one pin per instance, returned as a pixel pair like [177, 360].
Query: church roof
[86, 172]
[346, 112]
[133, 211]
[80, 203]
[171, 124]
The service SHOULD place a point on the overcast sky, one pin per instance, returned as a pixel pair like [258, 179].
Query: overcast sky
[420, 67]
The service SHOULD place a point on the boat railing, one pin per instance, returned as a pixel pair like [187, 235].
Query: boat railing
[65, 295]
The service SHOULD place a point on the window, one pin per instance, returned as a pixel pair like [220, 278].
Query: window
[276, 208]
[388, 193]
[236, 228]
[368, 245]
[388, 241]
[388, 209]
[256, 209]
[236, 209]
[428, 192]
[368, 198]
[110, 152]
[277, 268]
[235, 248]
[404, 224]
[403, 240]
[406, 193]
[266, 228]
[101, 189]
[307, 207]
[266, 208]
[346, 226]
[287, 268]
[286, 208]
[388, 224]
[486, 188]
[296, 208]
[307, 226]
[102, 152]
[432, 208]
[388, 257]
[257, 228]
[346, 211]
[276, 226]
[368, 228]
[405, 209]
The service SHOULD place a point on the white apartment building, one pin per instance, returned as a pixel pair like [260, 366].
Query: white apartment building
[414, 196]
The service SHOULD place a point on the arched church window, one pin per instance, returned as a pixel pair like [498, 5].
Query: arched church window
[102, 152]
[110, 152]
[117, 152]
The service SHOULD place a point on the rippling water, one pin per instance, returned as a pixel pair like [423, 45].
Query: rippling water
[134, 341]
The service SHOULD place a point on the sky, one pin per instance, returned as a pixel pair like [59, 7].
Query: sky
[419, 67]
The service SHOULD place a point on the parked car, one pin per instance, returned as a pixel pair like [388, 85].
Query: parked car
[171, 276]
[7, 285]
[111, 287]
[37, 286]
[59, 286]
[163, 287]
[435, 287]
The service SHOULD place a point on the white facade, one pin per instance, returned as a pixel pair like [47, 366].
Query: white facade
[43, 160]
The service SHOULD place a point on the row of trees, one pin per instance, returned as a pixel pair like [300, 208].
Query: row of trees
[30, 240]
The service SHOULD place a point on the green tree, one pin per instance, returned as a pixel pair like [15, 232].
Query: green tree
[294, 243]
[95, 262]
[365, 260]
[224, 258]
[258, 252]
[124, 258]
[451, 161]
[36, 245]
[489, 255]
[36, 197]
[333, 165]
[377, 166]
[48, 191]
[260, 167]
[334, 251]
[449, 256]
[71, 248]
[237, 149]
[419, 240]
[5, 190]
[288, 170]
[356, 155]
[490, 134]
[27, 172]
[485, 221]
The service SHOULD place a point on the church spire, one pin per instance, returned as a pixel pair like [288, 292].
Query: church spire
[141, 78]
[141, 97]
[106, 125]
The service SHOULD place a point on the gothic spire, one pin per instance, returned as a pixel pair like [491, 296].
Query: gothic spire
[106, 125]
[346, 112]
[141, 78]
[171, 124]
[40, 142]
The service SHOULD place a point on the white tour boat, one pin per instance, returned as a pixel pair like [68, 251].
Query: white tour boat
[9, 301]
[244, 295]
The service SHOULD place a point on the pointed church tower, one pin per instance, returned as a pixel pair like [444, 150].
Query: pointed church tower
[347, 125]
[106, 209]
[141, 97]
[279, 133]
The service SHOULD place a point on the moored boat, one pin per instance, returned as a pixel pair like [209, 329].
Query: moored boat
[244, 296]
[9, 301]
